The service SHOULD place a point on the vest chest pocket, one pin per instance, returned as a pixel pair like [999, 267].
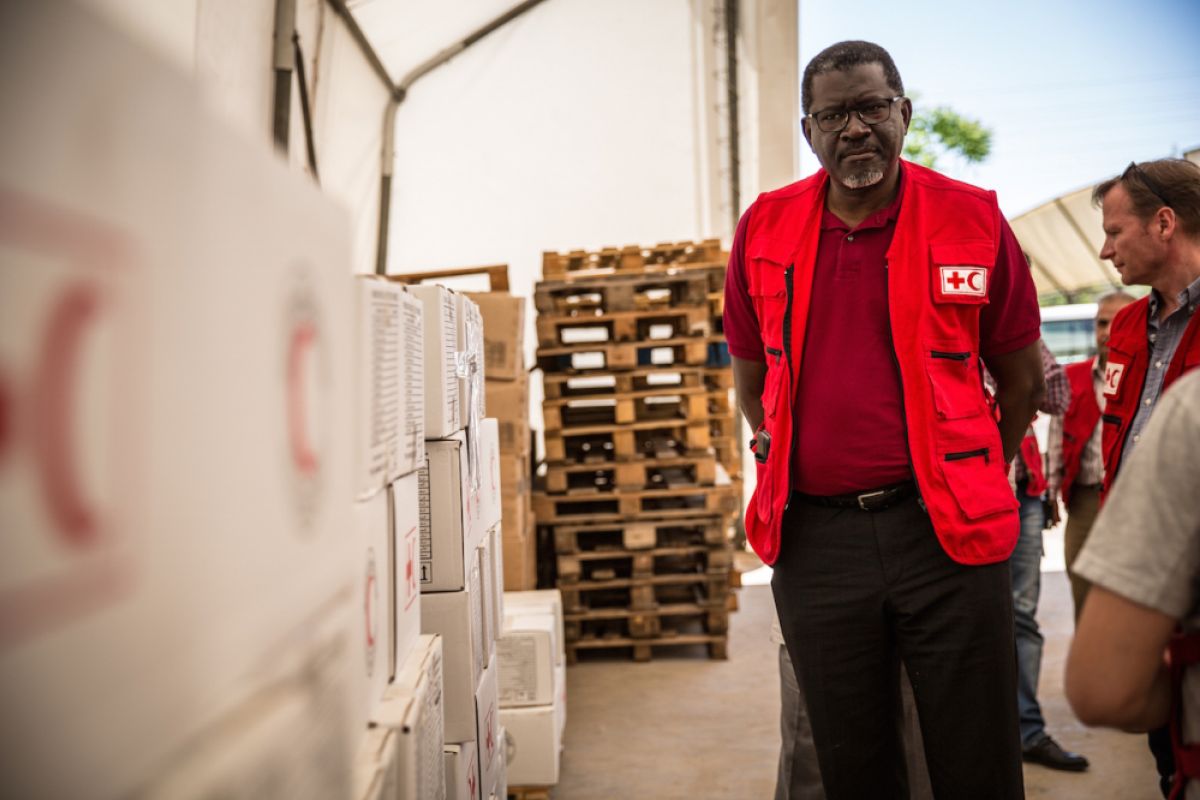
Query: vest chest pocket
[767, 283]
[961, 271]
[954, 380]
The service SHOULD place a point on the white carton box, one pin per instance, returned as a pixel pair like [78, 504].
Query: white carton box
[375, 597]
[560, 697]
[540, 601]
[487, 590]
[379, 383]
[376, 768]
[501, 790]
[470, 360]
[406, 536]
[497, 553]
[487, 707]
[412, 415]
[449, 531]
[457, 617]
[537, 745]
[175, 493]
[443, 411]
[488, 492]
[291, 739]
[412, 707]
[526, 654]
[462, 771]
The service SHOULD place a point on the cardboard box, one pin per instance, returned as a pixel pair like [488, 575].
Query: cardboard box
[291, 739]
[526, 653]
[501, 789]
[412, 708]
[376, 768]
[375, 597]
[406, 538]
[443, 410]
[520, 554]
[560, 700]
[537, 745]
[487, 602]
[470, 361]
[412, 415]
[490, 744]
[488, 492]
[503, 335]
[188, 295]
[379, 383]
[496, 551]
[458, 618]
[508, 400]
[544, 601]
[449, 513]
[462, 771]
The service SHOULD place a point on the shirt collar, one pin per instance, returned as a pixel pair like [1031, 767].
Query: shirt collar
[880, 219]
[1188, 298]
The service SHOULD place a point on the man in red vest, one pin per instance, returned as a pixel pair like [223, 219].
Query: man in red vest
[1076, 465]
[1151, 216]
[861, 304]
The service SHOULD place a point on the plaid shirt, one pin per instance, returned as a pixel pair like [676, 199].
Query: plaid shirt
[1058, 397]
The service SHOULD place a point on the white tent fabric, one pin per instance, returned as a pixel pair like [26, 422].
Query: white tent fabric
[1063, 238]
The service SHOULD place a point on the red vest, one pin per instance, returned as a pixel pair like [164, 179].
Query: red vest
[1035, 483]
[1079, 423]
[1125, 375]
[939, 263]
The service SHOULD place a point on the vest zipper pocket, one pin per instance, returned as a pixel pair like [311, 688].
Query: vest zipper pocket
[950, 356]
[773, 351]
[965, 454]
[1111, 419]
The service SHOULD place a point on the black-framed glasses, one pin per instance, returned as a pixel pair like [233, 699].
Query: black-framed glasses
[871, 112]
[1146, 181]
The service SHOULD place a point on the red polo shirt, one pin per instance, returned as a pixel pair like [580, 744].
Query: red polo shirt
[849, 411]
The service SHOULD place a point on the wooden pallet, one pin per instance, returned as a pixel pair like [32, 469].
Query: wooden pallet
[597, 565]
[640, 535]
[661, 473]
[629, 441]
[560, 330]
[616, 293]
[605, 356]
[654, 623]
[672, 405]
[636, 383]
[643, 649]
[632, 259]
[653, 504]
[645, 592]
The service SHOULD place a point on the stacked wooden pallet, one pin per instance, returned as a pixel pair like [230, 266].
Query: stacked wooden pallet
[641, 483]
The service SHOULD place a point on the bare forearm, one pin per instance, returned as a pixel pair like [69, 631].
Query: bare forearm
[1018, 404]
[748, 377]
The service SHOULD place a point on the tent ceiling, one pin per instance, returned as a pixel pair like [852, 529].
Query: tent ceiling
[1063, 239]
[406, 33]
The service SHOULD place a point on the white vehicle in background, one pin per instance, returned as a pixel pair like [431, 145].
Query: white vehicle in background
[1069, 331]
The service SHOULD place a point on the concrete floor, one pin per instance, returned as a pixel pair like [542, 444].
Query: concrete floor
[686, 727]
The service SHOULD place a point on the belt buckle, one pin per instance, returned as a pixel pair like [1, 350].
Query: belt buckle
[862, 498]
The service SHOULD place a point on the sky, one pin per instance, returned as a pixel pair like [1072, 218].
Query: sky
[1072, 90]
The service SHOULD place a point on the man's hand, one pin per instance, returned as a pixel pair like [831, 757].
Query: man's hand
[1055, 510]
[1020, 389]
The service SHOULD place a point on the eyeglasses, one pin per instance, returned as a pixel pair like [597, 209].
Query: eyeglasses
[1145, 179]
[872, 112]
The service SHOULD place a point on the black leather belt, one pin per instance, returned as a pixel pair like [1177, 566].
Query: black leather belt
[873, 500]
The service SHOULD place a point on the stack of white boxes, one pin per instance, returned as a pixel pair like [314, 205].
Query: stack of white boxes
[461, 569]
[177, 578]
[533, 685]
[400, 688]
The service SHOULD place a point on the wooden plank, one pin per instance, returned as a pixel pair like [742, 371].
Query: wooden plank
[628, 441]
[659, 473]
[607, 356]
[615, 293]
[657, 504]
[637, 383]
[642, 649]
[566, 329]
[575, 568]
[497, 275]
[640, 534]
[671, 406]
[582, 264]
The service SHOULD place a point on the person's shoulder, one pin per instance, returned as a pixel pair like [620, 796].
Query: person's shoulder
[1130, 312]
[936, 181]
[793, 190]
[1184, 393]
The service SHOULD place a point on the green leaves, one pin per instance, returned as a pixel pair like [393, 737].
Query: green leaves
[939, 132]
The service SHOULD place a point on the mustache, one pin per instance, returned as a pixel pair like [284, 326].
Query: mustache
[857, 151]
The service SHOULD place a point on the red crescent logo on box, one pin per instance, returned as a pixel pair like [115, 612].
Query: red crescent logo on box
[54, 397]
[1112, 378]
[472, 777]
[410, 572]
[369, 590]
[489, 721]
[300, 355]
[968, 281]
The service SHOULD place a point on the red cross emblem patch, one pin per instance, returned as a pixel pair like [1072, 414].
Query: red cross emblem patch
[964, 281]
[1112, 378]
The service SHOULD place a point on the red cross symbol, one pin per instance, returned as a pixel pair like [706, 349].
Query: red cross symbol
[491, 734]
[956, 280]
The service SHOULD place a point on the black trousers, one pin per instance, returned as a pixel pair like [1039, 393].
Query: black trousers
[857, 592]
